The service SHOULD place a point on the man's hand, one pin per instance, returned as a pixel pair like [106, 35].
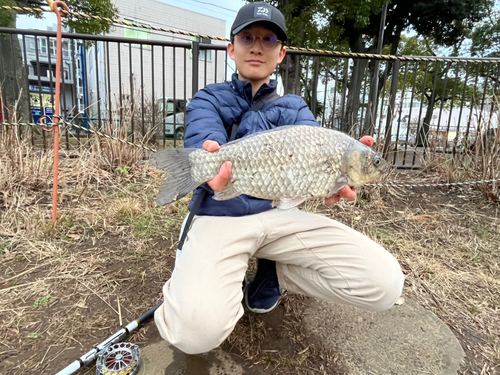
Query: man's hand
[218, 182]
[348, 192]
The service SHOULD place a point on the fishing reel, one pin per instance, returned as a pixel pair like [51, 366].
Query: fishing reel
[119, 359]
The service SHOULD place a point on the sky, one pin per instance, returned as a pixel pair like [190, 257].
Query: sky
[223, 9]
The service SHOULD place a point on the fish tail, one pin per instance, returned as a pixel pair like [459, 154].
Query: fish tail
[180, 181]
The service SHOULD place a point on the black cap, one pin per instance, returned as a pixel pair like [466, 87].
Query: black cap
[260, 12]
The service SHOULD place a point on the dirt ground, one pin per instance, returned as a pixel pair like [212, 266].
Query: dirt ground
[66, 288]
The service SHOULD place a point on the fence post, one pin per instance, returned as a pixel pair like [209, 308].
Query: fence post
[314, 88]
[195, 48]
[390, 107]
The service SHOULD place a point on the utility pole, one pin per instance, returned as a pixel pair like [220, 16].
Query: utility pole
[373, 103]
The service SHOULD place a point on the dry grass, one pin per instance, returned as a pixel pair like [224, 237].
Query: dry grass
[60, 286]
[480, 161]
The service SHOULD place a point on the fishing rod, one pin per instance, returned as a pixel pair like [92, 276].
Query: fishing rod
[114, 358]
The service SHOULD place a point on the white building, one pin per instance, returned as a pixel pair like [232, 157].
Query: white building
[149, 70]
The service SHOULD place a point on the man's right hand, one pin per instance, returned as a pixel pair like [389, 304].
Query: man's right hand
[218, 182]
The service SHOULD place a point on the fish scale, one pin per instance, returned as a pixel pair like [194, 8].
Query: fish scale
[289, 162]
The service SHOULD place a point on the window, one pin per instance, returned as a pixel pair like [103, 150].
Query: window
[42, 45]
[53, 48]
[31, 44]
[203, 52]
[137, 33]
[44, 69]
[180, 105]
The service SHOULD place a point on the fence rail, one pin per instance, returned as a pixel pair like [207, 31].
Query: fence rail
[136, 88]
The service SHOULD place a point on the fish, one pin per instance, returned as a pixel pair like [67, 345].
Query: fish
[288, 164]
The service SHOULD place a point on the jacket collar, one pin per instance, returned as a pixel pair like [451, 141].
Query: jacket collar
[244, 88]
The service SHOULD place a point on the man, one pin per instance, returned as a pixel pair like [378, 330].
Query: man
[297, 251]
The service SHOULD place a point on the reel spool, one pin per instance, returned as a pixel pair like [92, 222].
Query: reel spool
[119, 359]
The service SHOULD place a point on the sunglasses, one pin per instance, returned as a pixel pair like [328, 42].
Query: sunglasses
[268, 41]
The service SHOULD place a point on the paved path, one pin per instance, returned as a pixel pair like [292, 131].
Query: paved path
[406, 339]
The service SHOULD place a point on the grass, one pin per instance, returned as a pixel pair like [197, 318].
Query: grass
[41, 302]
[66, 287]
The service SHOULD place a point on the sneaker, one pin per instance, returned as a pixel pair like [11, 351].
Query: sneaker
[263, 293]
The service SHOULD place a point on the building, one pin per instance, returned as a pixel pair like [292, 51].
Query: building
[119, 73]
[40, 60]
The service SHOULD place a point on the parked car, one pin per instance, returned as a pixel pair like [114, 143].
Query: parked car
[174, 116]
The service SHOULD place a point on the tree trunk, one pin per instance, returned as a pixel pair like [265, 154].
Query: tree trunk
[371, 116]
[350, 119]
[14, 81]
[351, 115]
[423, 134]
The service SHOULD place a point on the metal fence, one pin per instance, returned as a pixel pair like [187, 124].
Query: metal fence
[137, 88]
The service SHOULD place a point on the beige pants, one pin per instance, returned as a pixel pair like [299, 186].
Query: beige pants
[315, 256]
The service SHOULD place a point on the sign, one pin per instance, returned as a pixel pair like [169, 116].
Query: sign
[46, 103]
[45, 89]
[35, 100]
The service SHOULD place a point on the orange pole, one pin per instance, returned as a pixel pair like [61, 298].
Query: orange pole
[57, 101]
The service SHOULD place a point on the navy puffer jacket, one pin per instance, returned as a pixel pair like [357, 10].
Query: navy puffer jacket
[211, 115]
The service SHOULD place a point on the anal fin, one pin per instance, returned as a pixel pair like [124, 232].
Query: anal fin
[229, 192]
[287, 203]
[339, 184]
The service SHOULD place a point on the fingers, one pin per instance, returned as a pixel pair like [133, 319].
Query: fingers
[330, 201]
[210, 146]
[218, 182]
[367, 140]
[346, 192]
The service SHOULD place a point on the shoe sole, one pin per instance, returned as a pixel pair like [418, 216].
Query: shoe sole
[259, 311]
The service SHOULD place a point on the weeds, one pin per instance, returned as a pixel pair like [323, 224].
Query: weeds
[476, 162]
[41, 302]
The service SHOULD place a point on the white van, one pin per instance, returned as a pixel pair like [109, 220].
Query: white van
[175, 111]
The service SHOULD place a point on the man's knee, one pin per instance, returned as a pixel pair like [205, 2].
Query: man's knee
[387, 286]
[196, 331]
[199, 338]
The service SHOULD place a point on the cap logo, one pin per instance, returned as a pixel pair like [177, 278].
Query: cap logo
[262, 12]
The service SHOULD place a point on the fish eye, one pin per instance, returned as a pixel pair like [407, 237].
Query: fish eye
[377, 161]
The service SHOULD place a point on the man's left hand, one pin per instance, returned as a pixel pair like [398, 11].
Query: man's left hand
[348, 192]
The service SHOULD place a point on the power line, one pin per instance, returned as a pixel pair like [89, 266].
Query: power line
[210, 10]
[226, 61]
[149, 22]
[215, 5]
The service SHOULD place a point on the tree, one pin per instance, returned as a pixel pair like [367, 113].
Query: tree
[352, 25]
[485, 37]
[14, 79]
[441, 83]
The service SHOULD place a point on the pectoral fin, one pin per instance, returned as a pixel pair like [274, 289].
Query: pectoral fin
[229, 192]
[287, 203]
[339, 184]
